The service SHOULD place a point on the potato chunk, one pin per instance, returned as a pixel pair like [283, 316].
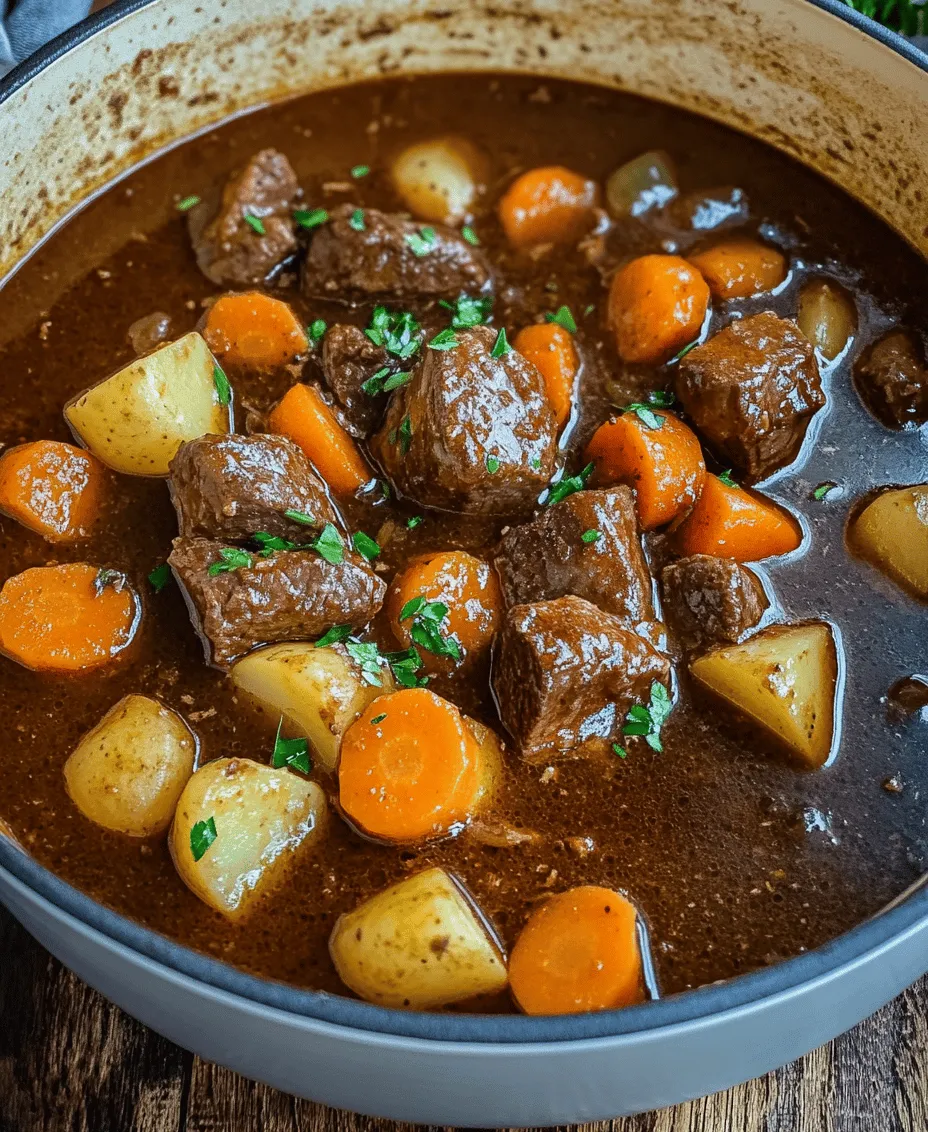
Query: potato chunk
[439, 180]
[127, 773]
[892, 533]
[320, 692]
[420, 944]
[135, 420]
[237, 828]
[786, 680]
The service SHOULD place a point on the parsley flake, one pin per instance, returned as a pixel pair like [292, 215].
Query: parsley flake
[159, 577]
[492, 465]
[467, 312]
[221, 382]
[187, 203]
[293, 753]
[620, 751]
[300, 517]
[726, 478]
[270, 543]
[404, 435]
[397, 332]
[395, 380]
[405, 665]
[375, 383]
[329, 544]
[413, 521]
[422, 242]
[590, 535]
[365, 546]
[588, 309]
[501, 345]
[470, 236]
[356, 220]
[358, 171]
[379, 718]
[444, 340]
[564, 318]
[310, 218]
[568, 486]
[683, 352]
[231, 558]
[333, 636]
[255, 223]
[824, 490]
[648, 721]
[202, 835]
[316, 329]
[425, 630]
[367, 656]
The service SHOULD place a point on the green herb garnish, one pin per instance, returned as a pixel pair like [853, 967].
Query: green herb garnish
[563, 317]
[620, 751]
[395, 380]
[427, 617]
[202, 835]
[444, 340]
[535, 462]
[255, 223]
[231, 558]
[421, 242]
[329, 544]
[467, 312]
[311, 217]
[648, 721]
[404, 665]
[726, 479]
[405, 435]
[356, 220]
[316, 329]
[568, 486]
[269, 543]
[590, 536]
[221, 382]
[300, 517]
[159, 577]
[588, 309]
[397, 332]
[187, 203]
[365, 546]
[824, 490]
[470, 235]
[501, 345]
[374, 384]
[683, 352]
[644, 411]
[367, 656]
[379, 718]
[333, 636]
[413, 522]
[360, 171]
[492, 465]
[290, 752]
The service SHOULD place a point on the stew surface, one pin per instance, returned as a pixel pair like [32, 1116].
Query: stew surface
[734, 854]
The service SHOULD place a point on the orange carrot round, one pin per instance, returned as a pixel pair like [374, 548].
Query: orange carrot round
[550, 348]
[307, 420]
[578, 952]
[664, 465]
[52, 488]
[657, 304]
[65, 618]
[410, 768]
[465, 584]
[735, 522]
[253, 329]
[737, 269]
[549, 205]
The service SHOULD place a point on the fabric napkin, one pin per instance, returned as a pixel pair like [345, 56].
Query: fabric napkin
[26, 24]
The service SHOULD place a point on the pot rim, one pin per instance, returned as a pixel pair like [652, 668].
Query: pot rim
[861, 944]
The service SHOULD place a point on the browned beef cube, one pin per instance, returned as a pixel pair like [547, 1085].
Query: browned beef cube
[294, 595]
[893, 380]
[349, 358]
[565, 672]
[229, 250]
[470, 432]
[380, 260]
[231, 487]
[707, 210]
[711, 601]
[751, 390]
[587, 545]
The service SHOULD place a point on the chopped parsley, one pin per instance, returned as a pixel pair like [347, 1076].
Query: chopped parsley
[395, 380]
[375, 383]
[568, 486]
[444, 340]
[202, 835]
[300, 517]
[501, 345]
[356, 220]
[404, 665]
[427, 617]
[644, 411]
[358, 171]
[270, 543]
[311, 217]
[492, 465]
[413, 521]
[221, 382]
[405, 435]
[290, 752]
[379, 718]
[470, 236]
[365, 546]
[231, 558]
[683, 352]
[726, 478]
[159, 577]
[187, 203]
[647, 722]
[824, 490]
[564, 318]
[422, 242]
[108, 579]
[467, 312]
[255, 223]
[535, 462]
[396, 331]
[589, 308]
[329, 544]
[333, 636]
[590, 535]
[316, 329]
[620, 750]
[367, 656]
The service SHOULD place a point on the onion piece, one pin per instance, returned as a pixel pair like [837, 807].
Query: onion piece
[440, 179]
[647, 181]
[827, 316]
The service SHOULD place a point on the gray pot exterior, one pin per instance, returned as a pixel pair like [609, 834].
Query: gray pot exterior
[791, 72]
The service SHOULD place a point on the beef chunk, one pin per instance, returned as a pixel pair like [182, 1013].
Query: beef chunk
[344, 263]
[893, 380]
[349, 358]
[565, 672]
[228, 249]
[470, 432]
[707, 210]
[752, 390]
[294, 595]
[230, 487]
[710, 601]
[549, 558]
[149, 332]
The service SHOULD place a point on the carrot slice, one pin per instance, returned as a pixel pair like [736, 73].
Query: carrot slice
[657, 304]
[737, 269]
[252, 329]
[578, 952]
[547, 205]
[410, 767]
[664, 465]
[52, 488]
[307, 420]
[550, 348]
[65, 618]
[464, 584]
[734, 522]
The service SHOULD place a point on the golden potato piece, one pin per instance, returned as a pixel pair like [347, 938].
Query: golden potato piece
[128, 772]
[440, 179]
[238, 826]
[135, 420]
[892, 533]
[786, 680]
[321, 692]
[420, 945]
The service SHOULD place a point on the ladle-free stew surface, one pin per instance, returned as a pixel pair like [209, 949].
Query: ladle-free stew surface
[735, 852]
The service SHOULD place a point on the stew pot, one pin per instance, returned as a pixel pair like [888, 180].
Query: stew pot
[812, 78]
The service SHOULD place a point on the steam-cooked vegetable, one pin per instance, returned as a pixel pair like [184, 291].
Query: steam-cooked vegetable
[238, 827]
[827, 316]
[420, 944]
[785, 679]
[647, 181]
[128, 772]
[440, 179]
[135, 420]
[320, 691]
[892, 533]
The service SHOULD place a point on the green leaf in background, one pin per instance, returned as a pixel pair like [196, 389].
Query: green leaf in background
[908, 16]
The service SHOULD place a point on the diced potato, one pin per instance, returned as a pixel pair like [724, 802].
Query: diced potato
[420, 944]
[827, 316]
[128, 772]
[440, 179]
[260, 816]
[785, 679]
[892, 533]
[491, 759]
[320, 692]
[135, 420]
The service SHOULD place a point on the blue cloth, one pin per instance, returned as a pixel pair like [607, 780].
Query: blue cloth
[26, 24]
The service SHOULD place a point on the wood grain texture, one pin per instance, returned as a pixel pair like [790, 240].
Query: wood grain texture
[71, 1062]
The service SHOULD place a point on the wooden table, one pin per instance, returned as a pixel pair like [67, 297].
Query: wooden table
[71, 1062]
